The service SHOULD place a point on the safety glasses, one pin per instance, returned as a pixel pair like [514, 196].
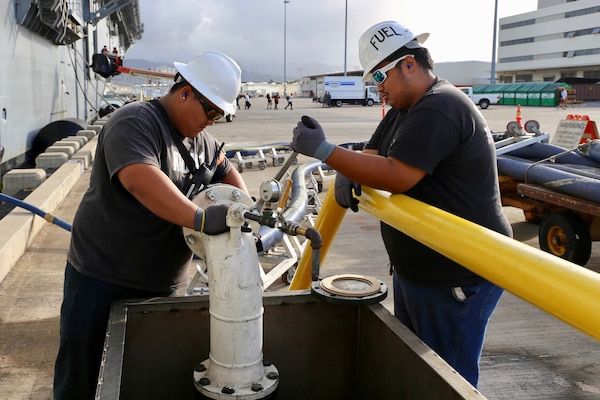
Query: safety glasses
[379, 76]
[211, 111]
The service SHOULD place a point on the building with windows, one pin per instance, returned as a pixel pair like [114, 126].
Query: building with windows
[558, 41]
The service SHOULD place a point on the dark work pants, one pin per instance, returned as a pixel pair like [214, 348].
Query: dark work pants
[451, 321]
[83, 320]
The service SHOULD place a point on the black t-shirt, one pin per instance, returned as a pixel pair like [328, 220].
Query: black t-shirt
[445, 135]
[115, 238]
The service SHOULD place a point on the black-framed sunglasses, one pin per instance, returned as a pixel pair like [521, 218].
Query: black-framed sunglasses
[211, 111]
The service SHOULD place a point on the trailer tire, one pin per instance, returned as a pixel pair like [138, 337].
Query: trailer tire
[338, 103]
[567, 236]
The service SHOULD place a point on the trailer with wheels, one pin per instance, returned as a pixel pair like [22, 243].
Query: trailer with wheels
[248, 160]
[246, 154]
[567, 225]
[555, 186]
[280, 156]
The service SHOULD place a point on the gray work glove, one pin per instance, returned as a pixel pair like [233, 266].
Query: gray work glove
[343, 192]
[309, 139]
[211, 220]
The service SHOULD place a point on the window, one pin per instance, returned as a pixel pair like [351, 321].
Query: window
[518, 24]
[524, 78]
[592, 74]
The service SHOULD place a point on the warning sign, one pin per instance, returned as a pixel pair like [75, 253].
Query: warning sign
[568, 133]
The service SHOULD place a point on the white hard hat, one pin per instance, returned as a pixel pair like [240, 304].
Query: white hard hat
[216, 76]
[382, 40]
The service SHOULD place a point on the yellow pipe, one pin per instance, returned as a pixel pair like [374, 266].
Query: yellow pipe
[328, 222]
[565, 290]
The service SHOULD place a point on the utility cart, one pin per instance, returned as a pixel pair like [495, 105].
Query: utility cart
[568, 217]
[248, 160]
[247, 154]
[567, 224]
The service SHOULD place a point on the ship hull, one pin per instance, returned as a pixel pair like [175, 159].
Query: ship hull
[44, 74]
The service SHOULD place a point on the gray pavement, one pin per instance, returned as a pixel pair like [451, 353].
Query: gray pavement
[528, 353]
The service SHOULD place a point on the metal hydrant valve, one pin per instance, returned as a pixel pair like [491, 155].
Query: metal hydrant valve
[235, 215]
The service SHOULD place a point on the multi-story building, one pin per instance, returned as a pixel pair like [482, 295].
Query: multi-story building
[560, 40]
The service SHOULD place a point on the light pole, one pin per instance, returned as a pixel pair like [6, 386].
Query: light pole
[345, 38]
[493, 74]
[285, 2]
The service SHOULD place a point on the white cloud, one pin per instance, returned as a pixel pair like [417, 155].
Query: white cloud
[252, 31]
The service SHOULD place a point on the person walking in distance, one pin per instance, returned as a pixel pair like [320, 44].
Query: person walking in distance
[276, 101]
[269, 102]
[563, 98]
[127, 241]
[289, 104]
[438, 150]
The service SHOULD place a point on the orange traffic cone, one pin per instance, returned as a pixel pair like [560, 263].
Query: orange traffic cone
[519, 119]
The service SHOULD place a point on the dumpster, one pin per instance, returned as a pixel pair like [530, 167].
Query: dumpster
[521, 94]
[508, 93]
[550, 94]
[322, 350]
[534, 93]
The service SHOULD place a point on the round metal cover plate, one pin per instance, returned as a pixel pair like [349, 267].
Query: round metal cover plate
[350, 288]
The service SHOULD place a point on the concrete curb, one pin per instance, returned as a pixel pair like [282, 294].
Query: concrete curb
[19, 228]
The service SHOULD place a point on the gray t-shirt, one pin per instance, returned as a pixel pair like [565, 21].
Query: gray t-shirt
[115, 238]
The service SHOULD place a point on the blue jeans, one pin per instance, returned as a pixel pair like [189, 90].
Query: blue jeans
[83, 320]
[451, 321]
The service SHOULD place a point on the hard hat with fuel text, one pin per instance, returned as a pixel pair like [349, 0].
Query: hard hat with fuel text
[216, 76]
[382, 40]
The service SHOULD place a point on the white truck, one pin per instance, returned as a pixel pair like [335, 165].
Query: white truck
[483, 100]
[348, 89]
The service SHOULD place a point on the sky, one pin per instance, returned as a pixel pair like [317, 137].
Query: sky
[252, 31]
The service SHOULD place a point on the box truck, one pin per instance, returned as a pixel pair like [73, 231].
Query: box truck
[350, 90]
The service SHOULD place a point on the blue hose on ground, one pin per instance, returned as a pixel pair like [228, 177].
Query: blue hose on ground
[47, 216]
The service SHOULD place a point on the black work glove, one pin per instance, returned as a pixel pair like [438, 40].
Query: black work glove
[309, 139]
[211, 220]
[343, 192]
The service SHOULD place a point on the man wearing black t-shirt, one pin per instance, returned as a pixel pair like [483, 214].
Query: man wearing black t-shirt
[436, 148]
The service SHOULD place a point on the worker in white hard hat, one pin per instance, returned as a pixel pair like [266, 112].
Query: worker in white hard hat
[127, 240]
[436, 148]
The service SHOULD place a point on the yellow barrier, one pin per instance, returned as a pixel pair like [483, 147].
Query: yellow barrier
[565, 290]
[328, 222]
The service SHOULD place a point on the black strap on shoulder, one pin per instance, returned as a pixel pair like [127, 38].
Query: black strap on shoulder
[177, 138]
[202, 176]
